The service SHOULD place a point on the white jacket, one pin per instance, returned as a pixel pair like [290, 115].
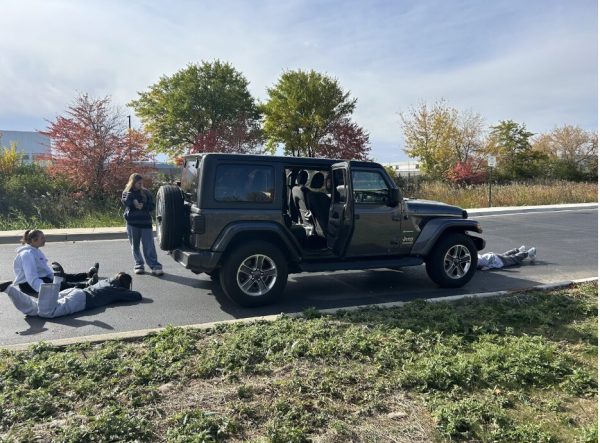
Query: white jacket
[30, 266]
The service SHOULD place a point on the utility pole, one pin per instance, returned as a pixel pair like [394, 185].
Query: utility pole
[129, 121]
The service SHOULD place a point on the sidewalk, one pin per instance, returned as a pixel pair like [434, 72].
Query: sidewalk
[79, 234]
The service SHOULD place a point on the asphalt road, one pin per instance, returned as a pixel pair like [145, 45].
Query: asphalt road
[567, 244]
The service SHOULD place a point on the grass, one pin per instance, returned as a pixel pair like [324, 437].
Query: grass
[516, 194]
[516, 368]
[92, 219]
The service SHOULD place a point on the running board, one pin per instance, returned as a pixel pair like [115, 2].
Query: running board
[363, 264]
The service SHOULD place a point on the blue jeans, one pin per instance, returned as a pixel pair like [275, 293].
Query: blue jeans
[146, 237]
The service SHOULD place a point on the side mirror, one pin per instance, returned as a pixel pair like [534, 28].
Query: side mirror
[394, 198]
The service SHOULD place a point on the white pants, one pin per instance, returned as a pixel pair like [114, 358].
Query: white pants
[50, 303]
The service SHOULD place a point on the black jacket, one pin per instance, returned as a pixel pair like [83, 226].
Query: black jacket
[140, 218]
[106, 292]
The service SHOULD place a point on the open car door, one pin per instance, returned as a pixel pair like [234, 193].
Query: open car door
[341, 211]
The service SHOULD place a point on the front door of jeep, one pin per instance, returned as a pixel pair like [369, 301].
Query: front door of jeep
[377, 222]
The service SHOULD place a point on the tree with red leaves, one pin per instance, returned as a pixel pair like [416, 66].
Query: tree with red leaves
[239, 136]
[469, 172]
[346, 140]
[92, 147]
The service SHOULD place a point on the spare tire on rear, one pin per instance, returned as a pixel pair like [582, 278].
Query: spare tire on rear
[170, 217]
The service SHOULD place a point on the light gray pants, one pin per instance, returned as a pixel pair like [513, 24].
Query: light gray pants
[513, 257]
[50, 302]
[145, 236]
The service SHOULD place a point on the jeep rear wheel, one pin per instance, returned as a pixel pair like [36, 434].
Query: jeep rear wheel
[170, 217]
[254, 274]
[452, 261]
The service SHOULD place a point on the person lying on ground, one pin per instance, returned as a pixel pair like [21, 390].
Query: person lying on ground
[31, 267]
[53, 303]
[512, 257]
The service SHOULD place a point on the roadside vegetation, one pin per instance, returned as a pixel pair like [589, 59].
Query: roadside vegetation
[515, 368]
[548, 192]
[31, 196]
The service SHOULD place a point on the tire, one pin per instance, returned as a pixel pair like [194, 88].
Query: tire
[248, 283]
[170, 217]
[214, 275]
[452, 261]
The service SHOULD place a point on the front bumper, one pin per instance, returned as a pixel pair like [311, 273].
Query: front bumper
[197, 261]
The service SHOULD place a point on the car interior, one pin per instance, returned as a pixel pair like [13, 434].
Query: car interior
[306, 209]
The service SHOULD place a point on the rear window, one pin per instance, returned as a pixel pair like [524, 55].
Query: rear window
[244, 183]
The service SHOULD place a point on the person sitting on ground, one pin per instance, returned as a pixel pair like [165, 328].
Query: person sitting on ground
[512, 257]
[31, 267]
[53, 303]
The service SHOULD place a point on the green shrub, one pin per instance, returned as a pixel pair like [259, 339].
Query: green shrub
[199, 427]
[111, 424]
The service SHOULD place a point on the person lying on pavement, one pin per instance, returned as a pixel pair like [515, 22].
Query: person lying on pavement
[52, 302]
[512, 257]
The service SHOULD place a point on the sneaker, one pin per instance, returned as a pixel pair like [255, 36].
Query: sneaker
[139, 271]
[93, 280]
[58, 269]
[158, 272]
[532, 253]
[522, 248]
[4, 285]
[94, 269]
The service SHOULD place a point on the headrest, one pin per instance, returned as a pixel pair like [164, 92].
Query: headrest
[317, 181]
[302, 178]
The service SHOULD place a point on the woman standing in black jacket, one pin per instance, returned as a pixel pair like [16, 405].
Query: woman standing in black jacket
[138, 207]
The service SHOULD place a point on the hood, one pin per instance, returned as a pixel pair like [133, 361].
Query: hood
[24, 248]
[430, 208]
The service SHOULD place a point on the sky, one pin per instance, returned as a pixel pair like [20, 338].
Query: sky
[534, 61]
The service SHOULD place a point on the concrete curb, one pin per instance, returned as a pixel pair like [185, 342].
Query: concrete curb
[81, 234]
[68, 234]
[141, 333]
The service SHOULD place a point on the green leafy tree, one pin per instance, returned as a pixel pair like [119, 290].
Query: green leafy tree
[510, 142]
[203, 107]
[10, 160]
[308, 113]
[431, 134]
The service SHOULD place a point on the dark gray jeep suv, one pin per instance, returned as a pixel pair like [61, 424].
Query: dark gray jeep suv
[251, 220]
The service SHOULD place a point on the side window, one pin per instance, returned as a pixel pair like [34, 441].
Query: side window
[369, 187]
[339, 186]
[189, 176]
[244, 183]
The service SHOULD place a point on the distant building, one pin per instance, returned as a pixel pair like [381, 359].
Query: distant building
[167, 169]
[404, 169]
[31, 144]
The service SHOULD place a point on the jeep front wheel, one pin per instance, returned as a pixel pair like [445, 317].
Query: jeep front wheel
[452, 261]
[254, 274]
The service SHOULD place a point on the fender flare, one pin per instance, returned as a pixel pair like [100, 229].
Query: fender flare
[436, 227]
[234, 230]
